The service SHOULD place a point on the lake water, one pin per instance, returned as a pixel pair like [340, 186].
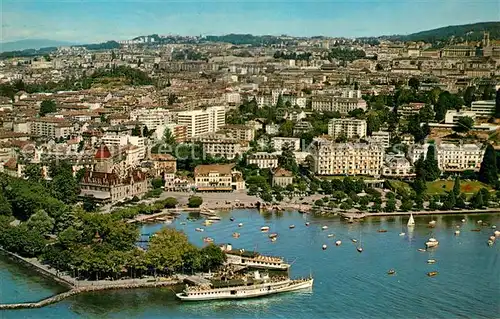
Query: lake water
[347, 284]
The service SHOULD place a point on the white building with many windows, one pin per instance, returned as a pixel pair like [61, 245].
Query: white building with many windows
[263, 159]
[452, 157]
[346, 158]
[51, 127]
[347, 127]
[279, 142]
[330, 103]
[199, 122]
[153, 118]
[218, 145]
[122, 141]
[483, 108]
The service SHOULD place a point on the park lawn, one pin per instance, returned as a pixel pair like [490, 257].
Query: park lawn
[397, 185]
[467, 187]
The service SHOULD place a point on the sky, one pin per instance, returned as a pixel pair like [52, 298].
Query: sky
[91, 21]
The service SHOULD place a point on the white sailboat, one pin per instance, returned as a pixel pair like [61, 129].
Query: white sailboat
[411, 221]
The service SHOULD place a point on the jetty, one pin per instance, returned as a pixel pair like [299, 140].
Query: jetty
[360, 215]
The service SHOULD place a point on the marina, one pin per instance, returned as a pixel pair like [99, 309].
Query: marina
[363, 284]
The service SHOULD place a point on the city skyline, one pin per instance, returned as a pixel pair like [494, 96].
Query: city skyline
[97, 21]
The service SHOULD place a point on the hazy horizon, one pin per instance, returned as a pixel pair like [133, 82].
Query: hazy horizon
[94, 21]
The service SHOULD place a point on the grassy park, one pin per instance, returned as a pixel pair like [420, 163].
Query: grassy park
[441, 186]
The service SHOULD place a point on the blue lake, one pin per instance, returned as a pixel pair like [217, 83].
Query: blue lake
[347, 284]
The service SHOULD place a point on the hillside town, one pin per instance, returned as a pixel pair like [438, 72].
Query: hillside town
[292, 117]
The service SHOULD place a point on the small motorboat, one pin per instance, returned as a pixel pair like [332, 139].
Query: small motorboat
[273, 235]
[354, 240]
[215, 218]
[307, 223]
[497, 233]
[324, 247]
[493, 226]
[264, 229]
[273, 239]
[391, 272]
[208, 240]
[331, 235]
[240, 225]
[324, 227]
[382, 230]
[475, 229]
[432, 223]
[291, 226]
[432, 242]
[231, 219]
[338, 243]
[480, 221]
[492, 238]
[421, 250]
[431, 261]
[359, 249]
[402, 234]
[236, 235]
[457, 232]
[490, 242]
[207, 223]
[432, 273]
[199, 229]
[182, 223]
[463, 220]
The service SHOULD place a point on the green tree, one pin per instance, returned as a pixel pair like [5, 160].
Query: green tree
[170, 202]
[456, 186]
[450, 201]
[390, 206]
[64, 187]
[157, 183]
[278, 197]
[40, 222]
[168, 138]
[488, 172]
[464, 124]
[266, 197]
[5, 207]
[287, 161]
[469, 95]
[212, 257]
[195, 201]
[47, 106]
[477, 201]
[33, 172]
[431, 164]
[426, 114]
[406, 205]
[414, 83]
[286, 129]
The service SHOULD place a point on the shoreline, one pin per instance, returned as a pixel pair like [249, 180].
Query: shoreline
[361, 215]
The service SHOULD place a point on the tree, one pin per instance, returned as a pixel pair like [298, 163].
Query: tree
[286, 129]
[426, 114]
[450, 201]
[279, 102]
[406, 205]
[266, 197]
[33, 172]
[40, 222]
[168, 138]
[390, 206]
[464, 124]
[469, 95]
[170, 202]
[456, 186]
[64, 186]
[212, 257]
[488, 173]
[278, 197]
[326, 187]
[136, 131]
[195, 201]
[431, 164]
[5, 207]
[157, 183]
[287, 161]
[47, 106]
[477, 201]
[414, 83]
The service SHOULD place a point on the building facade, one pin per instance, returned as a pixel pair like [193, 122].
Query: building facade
[348, 127]
[343, 105]
[199, 122]
[263, 159]
[452, 157]
[218, 177]
[346, 158]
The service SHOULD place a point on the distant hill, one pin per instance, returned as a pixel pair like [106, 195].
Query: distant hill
[460, 33]
[31, 44]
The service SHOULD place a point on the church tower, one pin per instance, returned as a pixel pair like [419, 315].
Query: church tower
[103, 160]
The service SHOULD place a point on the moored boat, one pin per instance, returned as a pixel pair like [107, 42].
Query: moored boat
[264, 229]
[324, 247]
[421, 250]
[354, 240]
[307, 223]
[497, 233]
[240, 225]
[331, 235]
[432, 273]
[236, 235]
[324, 227]
[490, 242]
[359, 249]
[431, 261]
[199, 229]
[432, 242]
[338, 243]
[457, 232]
[382, 230]
[231, 219]
[411, 221]
[391, 272]
[273, 235]
[402, 234]
[291, 226]
[432, 223]
[208, 240]
[215, 218]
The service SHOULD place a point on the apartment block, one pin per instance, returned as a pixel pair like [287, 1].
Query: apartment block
[199, 122]
[279, 142]
[263, 159]
[51, 127]
[218, 177]
[483, 108]
[452, 157]
[330, 103]
[348, 127]
[382, 138]
[239, 131]
[222, 146]
[346, 158]
[124, 140]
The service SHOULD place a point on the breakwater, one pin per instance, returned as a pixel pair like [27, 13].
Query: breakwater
[74, 291]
